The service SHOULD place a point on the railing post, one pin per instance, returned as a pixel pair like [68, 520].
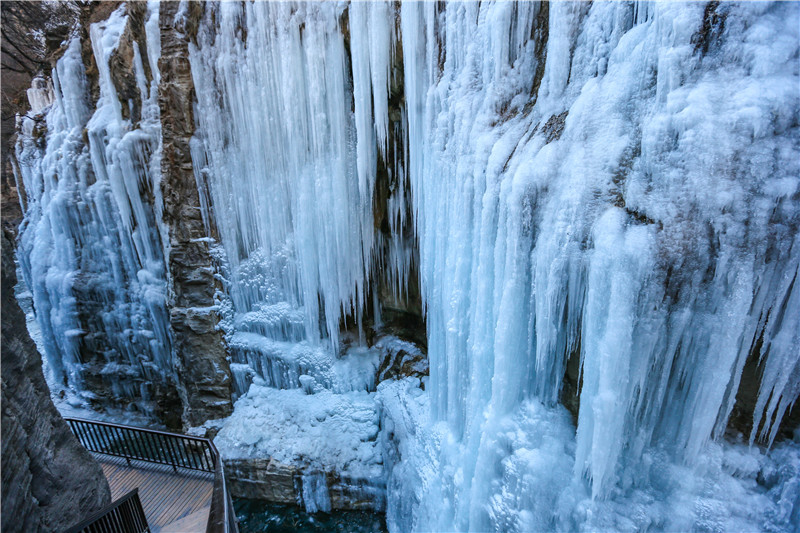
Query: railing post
[81, 432]
[87, 441]
[182, 453]
[147, 442]
[166, 445]
[133, 443]
[120, 439]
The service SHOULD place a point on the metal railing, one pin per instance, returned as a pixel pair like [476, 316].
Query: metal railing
[221, 516]
[161, 447]
[122, 516]
[175, 450]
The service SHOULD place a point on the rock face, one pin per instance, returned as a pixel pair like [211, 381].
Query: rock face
[49, 480]
[199, 345]
[273, 481]
[261, 479]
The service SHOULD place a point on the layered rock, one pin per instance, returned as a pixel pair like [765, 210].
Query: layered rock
[199, 345]
[273, 481]
[49, 480]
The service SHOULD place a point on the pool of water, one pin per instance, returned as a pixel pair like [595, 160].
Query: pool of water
[257, 516]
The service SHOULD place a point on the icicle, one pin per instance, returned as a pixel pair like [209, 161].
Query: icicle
[286, 170]
[315, 493]
[40, 95]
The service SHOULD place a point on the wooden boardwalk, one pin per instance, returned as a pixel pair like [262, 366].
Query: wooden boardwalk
[173, 502]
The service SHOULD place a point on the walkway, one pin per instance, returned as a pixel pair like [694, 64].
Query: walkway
[173, 502]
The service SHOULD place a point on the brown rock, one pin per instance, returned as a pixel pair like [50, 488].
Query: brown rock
[270, 480]
[261, 479]
[200, 347]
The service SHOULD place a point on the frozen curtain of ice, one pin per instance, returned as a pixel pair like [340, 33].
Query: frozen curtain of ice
[609, 188]
[90, 249]
[288, 183]
[611, 182]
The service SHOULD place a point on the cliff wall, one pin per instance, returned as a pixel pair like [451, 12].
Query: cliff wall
[199, 344]
[49, 481]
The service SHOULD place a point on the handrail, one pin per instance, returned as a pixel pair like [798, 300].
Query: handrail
[149, 445]
[221, 500]
[125, 515]
[161, 447]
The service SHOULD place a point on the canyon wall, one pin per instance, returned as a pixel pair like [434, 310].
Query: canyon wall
[198, 342]
[50, 482]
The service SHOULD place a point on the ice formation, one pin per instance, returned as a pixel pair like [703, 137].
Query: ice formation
[325, 429]
[605, 201]
[316, 432]
[616, 183]
[90, 245]
[287, 185]
[289, 182]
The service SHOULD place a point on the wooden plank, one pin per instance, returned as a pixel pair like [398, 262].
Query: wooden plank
[196, 521]
[192, 495]
[122, 481]
[166, 511]
[175, 510]
[201, 497]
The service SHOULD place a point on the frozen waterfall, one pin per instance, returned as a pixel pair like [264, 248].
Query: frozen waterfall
[615, 184]
[90, 247]
[286, 167]
[605, 200]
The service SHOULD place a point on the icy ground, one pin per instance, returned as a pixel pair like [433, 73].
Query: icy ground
[322, 431]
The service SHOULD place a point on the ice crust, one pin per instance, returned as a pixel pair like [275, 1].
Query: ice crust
[322, 431]
[282, 364]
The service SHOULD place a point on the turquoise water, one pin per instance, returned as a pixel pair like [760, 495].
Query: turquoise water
[257, 516]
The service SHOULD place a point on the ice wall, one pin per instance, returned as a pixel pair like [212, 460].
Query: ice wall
[611, 182]
[582, 195]
[285, 155]
[89, 246]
